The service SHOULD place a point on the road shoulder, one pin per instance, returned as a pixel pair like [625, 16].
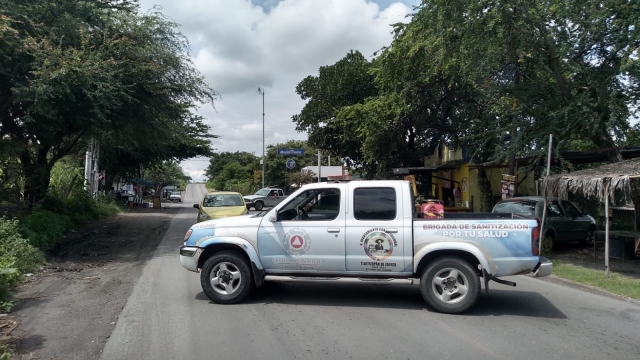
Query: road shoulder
[69, 309]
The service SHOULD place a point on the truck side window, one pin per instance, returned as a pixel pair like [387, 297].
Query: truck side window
[374, 204]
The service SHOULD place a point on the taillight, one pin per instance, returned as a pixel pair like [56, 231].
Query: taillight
[535, 239]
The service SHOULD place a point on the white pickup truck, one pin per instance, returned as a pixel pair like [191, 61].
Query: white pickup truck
[362, 231]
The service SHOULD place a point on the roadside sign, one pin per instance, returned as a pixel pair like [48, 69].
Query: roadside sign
[291, 152]
[291, 164]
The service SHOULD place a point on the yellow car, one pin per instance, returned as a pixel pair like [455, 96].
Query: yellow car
[221, 204]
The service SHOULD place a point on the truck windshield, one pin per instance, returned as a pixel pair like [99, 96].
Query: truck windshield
[222, 200]
[262, 192]
[516, 207]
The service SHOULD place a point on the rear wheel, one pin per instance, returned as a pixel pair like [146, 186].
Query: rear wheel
[259, 205]
[226, 278]
[450, 285]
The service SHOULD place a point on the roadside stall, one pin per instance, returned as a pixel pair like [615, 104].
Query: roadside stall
[611, 184]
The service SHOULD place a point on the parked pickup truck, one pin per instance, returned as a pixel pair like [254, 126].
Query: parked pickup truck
[269, 197]
[367, 232]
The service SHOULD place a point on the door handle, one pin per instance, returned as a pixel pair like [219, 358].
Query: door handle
[333, 230]
[392, 230]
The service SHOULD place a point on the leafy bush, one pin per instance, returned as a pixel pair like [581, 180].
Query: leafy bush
[44, 228]
[107, 206]
[17, 256]
[27, 258]
[80, 208]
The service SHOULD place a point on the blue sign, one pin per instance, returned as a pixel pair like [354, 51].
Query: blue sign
[291, 152]
[291, 164]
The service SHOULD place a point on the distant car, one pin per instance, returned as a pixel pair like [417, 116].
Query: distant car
[564, 222]
[221, 204]
[269, 197]
[175, 196]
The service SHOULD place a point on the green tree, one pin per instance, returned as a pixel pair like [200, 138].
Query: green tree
[276, 170]
[347, 82]
[74, 69]
[163, 174]
[494, 77]
[233, 177]
[218, 161]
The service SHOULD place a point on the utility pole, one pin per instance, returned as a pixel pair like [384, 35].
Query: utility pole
[319, 167]
[261, 92]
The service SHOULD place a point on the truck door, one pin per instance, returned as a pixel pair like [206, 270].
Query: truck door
[308, 234]
[375, 231]
[577, 223]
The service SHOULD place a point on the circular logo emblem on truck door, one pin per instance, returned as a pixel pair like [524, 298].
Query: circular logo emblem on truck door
[378, 244]
[296, 242]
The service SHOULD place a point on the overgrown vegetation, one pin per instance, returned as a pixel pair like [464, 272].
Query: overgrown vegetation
[24, 238]
[23, 242]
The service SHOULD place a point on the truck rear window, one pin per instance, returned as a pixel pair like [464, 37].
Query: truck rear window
[374, 204]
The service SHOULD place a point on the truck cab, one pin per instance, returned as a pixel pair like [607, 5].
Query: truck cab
[362, 231]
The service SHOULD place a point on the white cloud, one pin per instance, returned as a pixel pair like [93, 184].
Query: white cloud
[240, 46]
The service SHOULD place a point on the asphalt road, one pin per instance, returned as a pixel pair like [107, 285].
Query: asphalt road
[169, 317]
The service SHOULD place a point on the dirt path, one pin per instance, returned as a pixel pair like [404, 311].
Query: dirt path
[68, 309]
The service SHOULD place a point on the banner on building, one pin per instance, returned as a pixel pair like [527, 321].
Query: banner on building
[508, 186]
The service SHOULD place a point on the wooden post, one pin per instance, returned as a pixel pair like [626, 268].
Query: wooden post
[606, 228]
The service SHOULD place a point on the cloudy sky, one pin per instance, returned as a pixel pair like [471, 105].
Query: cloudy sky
[241, 45]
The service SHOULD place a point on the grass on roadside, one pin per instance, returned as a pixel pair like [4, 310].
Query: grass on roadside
[617, 284]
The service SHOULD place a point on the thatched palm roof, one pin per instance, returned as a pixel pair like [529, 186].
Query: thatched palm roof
[591, 182]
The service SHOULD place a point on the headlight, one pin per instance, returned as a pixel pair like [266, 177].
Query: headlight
[204, 216]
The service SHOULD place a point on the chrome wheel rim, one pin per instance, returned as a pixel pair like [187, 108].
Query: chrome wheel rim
[225, 278]
[450, 286]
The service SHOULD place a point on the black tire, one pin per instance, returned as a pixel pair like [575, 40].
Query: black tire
[548, 244]
[591, 237]
[458, 303]
[230, 259]
[259, 205]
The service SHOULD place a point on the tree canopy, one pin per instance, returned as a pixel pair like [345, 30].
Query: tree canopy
[74, 69]
[493, 77]
[242, 172]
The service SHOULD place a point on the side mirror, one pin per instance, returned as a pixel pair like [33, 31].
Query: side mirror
[196, 206]
[273, 216]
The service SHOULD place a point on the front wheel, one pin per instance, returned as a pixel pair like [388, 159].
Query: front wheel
[591, 237]
[259, 205]
[226, 278]
[450, 285]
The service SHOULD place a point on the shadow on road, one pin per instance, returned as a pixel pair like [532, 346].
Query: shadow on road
[519, 303]
[497, 303]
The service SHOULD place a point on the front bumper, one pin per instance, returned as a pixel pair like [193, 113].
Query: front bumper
[189, 256]
[544, 268]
